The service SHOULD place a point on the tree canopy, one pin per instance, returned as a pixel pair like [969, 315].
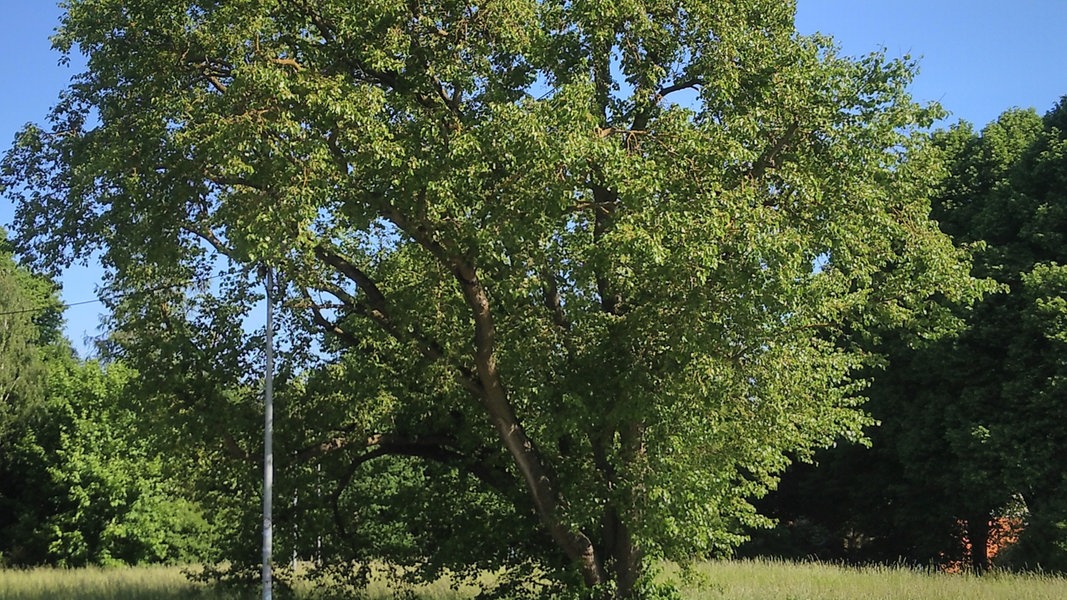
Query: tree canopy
[29, 320]
[593, 266]
[970, 422]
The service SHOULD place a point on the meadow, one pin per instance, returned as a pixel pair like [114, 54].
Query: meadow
[733, 580]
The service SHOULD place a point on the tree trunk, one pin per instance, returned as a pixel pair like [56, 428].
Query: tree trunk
[624, 558]
[627, 560]
[540, 482]
[978, 535]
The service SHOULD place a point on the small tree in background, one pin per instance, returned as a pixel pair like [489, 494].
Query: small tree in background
[81, 481]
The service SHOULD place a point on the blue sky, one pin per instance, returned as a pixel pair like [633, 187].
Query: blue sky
[977, 58]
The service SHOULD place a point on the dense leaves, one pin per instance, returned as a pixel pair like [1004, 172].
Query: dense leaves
[29, 320]
[80, 481]
[970, 424]
[80, 488]
[594, 268]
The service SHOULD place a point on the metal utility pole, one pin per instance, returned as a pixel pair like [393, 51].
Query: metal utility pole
[268, 439]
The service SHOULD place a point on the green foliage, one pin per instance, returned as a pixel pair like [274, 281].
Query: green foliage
[970, 423]
[81, 488]
[29, 320]
[1011, 357]
[562, 303]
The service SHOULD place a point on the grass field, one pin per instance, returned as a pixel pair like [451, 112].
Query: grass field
[762, 580]
[759, 580]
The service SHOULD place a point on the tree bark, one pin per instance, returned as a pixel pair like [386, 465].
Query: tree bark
[627, 559]
[978, 535]
[541, 485]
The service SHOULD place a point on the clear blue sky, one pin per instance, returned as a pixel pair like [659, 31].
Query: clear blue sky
[977, 58]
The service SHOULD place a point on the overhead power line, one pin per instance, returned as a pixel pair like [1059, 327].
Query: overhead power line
[66, 305]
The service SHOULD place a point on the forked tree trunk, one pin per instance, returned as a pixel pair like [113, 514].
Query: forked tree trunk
[624, 556]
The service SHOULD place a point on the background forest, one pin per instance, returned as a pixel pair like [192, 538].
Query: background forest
[970, 424]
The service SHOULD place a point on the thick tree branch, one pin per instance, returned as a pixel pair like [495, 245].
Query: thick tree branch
[553, 300]
[453, 101]
[541, 485]
[375, 297]
[376, 306]
[440, 449]
[287, 62]
[433, 449]
[606, 202]
[767, 159]
[679, 86]
[359, 70]
[329, 326]
[377, 310]
[205, 233]
[233, 449]
[423, 235]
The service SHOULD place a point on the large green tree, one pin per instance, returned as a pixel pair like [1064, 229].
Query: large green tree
[594, 261]
[1007, 191]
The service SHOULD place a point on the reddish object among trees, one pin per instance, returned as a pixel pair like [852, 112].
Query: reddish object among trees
[1003, 532]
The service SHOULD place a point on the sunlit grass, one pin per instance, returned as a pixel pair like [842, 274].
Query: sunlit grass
[763, 580]
[171, 583]
[148, 583]
[728, 580]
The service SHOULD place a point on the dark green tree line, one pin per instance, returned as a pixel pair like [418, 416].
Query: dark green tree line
[970, 423]
[24, 332]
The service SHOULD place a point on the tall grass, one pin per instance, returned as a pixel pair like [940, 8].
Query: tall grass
[171, 583]
[776, 580]
[740, 580]
[140, 583]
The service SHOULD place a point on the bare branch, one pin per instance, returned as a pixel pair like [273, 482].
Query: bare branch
[679, 86]
[287, 62]
[216, 83]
